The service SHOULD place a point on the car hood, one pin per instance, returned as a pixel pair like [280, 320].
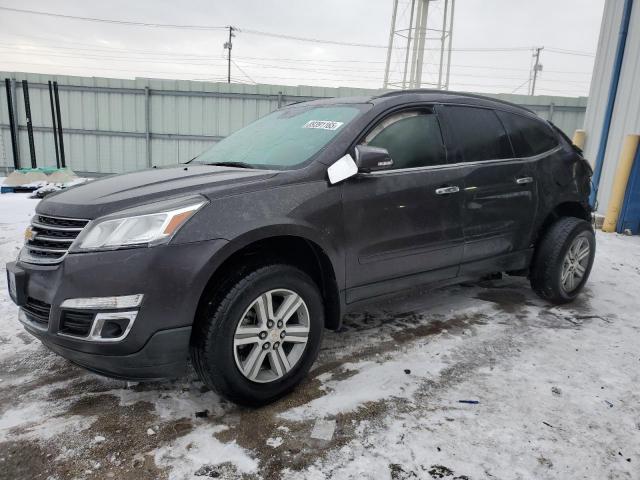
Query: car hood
[117, 192]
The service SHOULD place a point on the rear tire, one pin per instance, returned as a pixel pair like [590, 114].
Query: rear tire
[249, 352]
[563, 259]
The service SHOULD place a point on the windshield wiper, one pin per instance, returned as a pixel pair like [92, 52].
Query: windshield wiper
[231, 164]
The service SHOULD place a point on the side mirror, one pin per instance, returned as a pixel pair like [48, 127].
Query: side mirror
[372, 159]
[368, 159]
[343, 168]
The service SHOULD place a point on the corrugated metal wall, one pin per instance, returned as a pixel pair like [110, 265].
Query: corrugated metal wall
[116, 125]
[626, 111]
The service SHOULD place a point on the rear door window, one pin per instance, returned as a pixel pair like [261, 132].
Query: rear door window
[528, 136]
[479, 133]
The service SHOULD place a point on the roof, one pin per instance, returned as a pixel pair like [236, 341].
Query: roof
[451, 96]
[397, 97]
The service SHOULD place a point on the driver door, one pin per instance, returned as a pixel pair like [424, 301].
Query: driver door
[403, 225]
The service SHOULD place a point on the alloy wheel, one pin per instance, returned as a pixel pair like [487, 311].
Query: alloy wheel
[271, 335]
[575, 264]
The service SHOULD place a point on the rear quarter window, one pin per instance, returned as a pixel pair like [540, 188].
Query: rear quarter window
[528, 136]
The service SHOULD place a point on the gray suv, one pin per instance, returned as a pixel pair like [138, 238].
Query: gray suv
[239, 259]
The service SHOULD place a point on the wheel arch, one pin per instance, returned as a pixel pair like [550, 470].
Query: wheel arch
[292, 246]
[565, 209]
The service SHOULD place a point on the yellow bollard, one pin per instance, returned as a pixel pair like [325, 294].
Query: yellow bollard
[578, 138]
[619, 187]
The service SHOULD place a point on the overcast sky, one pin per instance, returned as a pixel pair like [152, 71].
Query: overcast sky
[34, 43]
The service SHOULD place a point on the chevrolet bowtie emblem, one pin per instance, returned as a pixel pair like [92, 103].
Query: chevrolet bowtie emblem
[29, 234]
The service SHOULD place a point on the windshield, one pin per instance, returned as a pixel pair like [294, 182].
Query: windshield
[284, 139]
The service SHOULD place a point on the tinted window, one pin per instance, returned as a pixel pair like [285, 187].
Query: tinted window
[413, 139]
[528, 137]
[480, 134]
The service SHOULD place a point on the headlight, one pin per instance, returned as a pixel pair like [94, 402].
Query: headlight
[147, 225]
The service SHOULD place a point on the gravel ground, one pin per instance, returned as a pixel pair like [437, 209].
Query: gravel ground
[481, 381]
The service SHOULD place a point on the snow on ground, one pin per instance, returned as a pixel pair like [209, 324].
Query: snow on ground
[481, 381]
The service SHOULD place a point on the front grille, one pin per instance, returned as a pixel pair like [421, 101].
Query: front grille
[37, 311]
[76, 323]
[51, 238]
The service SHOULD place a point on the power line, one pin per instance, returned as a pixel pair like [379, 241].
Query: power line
[113, 58]
[312, 40]
[221, 78]
[177, 55]
[129, 70]
[520, 86]
[182, 55]
[338, 71]
[565, 51]
[224, 77]
[312, 68]
[272, 34]
[247, 31]
[244, 73]
[113, 21]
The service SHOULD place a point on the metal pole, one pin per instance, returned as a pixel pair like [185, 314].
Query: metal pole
[392, 34]
[12, 125]
[446, 85]
[147, 124]
[416, 43]
[53, 124]
[16, 112]
[56, 98]
[423, 38]
[442, 42]
[406, 56]
[27, 111]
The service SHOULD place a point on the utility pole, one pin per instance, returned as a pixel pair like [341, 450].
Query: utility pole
[229, 45]
[537, 67]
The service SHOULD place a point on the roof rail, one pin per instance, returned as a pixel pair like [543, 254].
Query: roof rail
[452, 93]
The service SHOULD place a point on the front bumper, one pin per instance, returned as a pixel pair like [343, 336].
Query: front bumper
[171, 279]
[164, 356]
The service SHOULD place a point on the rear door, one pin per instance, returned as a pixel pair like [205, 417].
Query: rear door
[400, 223]
[499, 197]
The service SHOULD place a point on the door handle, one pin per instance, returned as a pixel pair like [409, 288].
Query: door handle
[524, 180]
[447, 190]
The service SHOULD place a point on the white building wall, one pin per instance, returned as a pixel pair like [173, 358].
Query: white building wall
[626, 112]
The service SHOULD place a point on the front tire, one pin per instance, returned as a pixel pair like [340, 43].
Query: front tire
[563, 259]
[258, 335]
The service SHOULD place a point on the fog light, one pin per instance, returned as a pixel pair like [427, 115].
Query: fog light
[114, 328]
[111, 326]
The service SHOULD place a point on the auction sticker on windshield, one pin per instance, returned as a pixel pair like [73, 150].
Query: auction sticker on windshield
[323, 124]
